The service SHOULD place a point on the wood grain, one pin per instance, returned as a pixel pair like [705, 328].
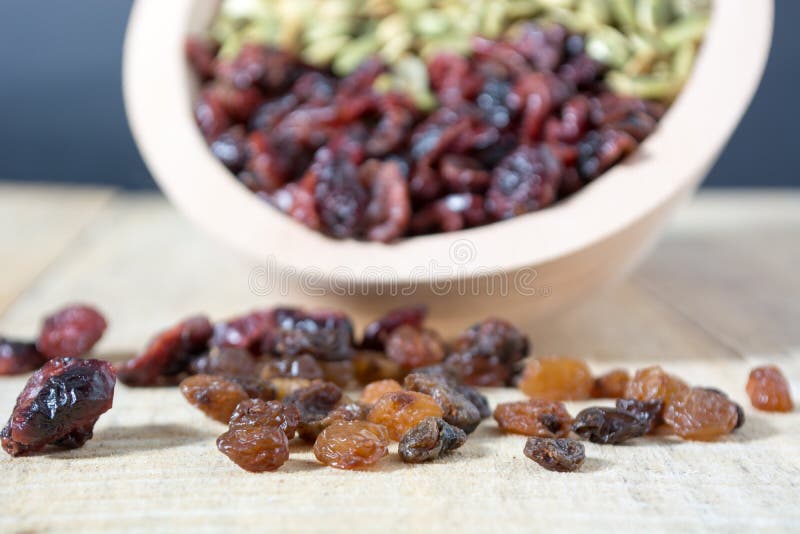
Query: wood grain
[153, 466]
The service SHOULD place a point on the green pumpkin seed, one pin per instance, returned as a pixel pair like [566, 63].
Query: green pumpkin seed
[322, 52]
[608, 46]
[351, 55]
[688, 29]
[652, 14]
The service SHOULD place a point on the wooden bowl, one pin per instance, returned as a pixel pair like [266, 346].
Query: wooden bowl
[521, 268]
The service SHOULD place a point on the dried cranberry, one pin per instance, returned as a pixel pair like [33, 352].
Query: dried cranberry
[322, 334]
[201, 54]
[247, 331]
[389, 209]
[526, 180]
[59, 405]
[230, 148]
[17, 357]
[71, 331]
[340, 198]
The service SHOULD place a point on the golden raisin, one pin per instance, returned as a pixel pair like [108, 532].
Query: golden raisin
[769, 390]
[701, 414]
[352, 444]
[653, 383]
[399, 411]
[611, 385]
[557, 378]
[369, 366]
[215, 396]
[374, 391]
[256, 412]
[255, 448]
[534, 417]
[286, 386]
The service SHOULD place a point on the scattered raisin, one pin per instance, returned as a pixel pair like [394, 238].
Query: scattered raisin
[399, 411]
[653, 383]
[377, 332]
[456, 408]
[59, 405]
[326, 335]
[563, 455]
[352, 444]
[769, 390]
[286, 386]
[71, 332]
[487, 353]
[215, 396]
[477, 398]
[429, 440]
[256, 388]
[303, 366]
[314, 402]
[700, 414]
[341, 373]
[647, 412]
[608, 426]
[255, 448]
[414, 347]
[225, 361]
[256, 412]
[534, 417]
[374, 391]
[557, 378]
[246, 332]
[370, 366]
[611, 385]
[17, 357]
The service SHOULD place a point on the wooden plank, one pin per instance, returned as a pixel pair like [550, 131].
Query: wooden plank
[37, 223]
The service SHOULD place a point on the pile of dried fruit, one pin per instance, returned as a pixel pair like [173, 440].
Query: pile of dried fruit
[391, 118]
[274, 374]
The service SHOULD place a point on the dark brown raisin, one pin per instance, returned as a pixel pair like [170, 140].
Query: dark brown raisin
[225, 361]
[59, 405]
[563, 455]
[429, 440]
[370, 366]
[303, 366]
[487, 353]
[71, 332]
[17, 357]
[414, 347]
[314, 403]
[256, 388]
[326, 335]
[456, 408]
[377, 332]
[647, 412]
[255, 448]
[607, 426]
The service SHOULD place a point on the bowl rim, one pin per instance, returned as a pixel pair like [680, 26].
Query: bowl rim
[159, 91]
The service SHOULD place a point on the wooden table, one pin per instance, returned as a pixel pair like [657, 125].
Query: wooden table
[719, 295]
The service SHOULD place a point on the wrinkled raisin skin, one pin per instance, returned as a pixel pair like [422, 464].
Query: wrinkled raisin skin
[256, 412]
[608, 426]
[399, 411]
[534, 417]
[414, 347]
[374, 391]
[647, 412]
[59, 405]
[71, 332]
[351, 444]
[457, 409]
[487, 353]
[702, 415]
[769, 390]
[376, 333]
[429, 440]
[255, 448]
[562, 455]
[215, 396]
[314, 403]
[557, 378]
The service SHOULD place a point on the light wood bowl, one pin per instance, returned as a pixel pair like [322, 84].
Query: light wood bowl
[547, 260]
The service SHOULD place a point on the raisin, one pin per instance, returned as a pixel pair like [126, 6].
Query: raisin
[17, 357]
[326, 335]
[169, 355]
[769, 390]
[341, 373]
[653, 383]
[256, 412]
[456, 408]
[611, 385]
[527, 180]
[374, 391]
[245, 332]
[557, 378]
[487, 353]
[255, 448]
[59, 405]
[256, 388]
[700, 414]
[314, 402]
[430, 439]
[608, 425]
[225, 361]
[740, 417]
[352, 444]
[201, 54]
[563, 455]
[534, 417]
[477, 398]
[304, 366]
[414, 347]
[389, 209]
[647, 412]
[399, 411]
[286, 386]
[370, 366]
[215, 396]
[377, 332]
[71, 332]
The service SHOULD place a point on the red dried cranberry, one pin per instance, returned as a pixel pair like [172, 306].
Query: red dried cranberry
[526, 180]
[17, 357]
[389, 209]
[71, 331]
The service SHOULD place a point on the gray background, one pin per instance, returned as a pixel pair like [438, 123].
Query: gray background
[62, 118]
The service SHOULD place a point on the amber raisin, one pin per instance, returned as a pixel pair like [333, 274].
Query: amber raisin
[369, 366]
[647, 412]
[701, 415]
[215, 396]
[534, 417]
[457, 409]
[304, 366]
[653, 383]
[256, 388]
[429, 440]
[557, 378]
[487, 353]
[769, 390]
[377, 332]
[352, 444]
[399, 411]
[17, 357]
[374, 391]
[255, 448]
[286, 386]
[414, 347]
[71, 331]
[562, 455]
[611, 385]
[314, 402]
[739, 410]
[225, 361]
[340, 373]
[255, 412]
[59, 405]
[608, 426]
